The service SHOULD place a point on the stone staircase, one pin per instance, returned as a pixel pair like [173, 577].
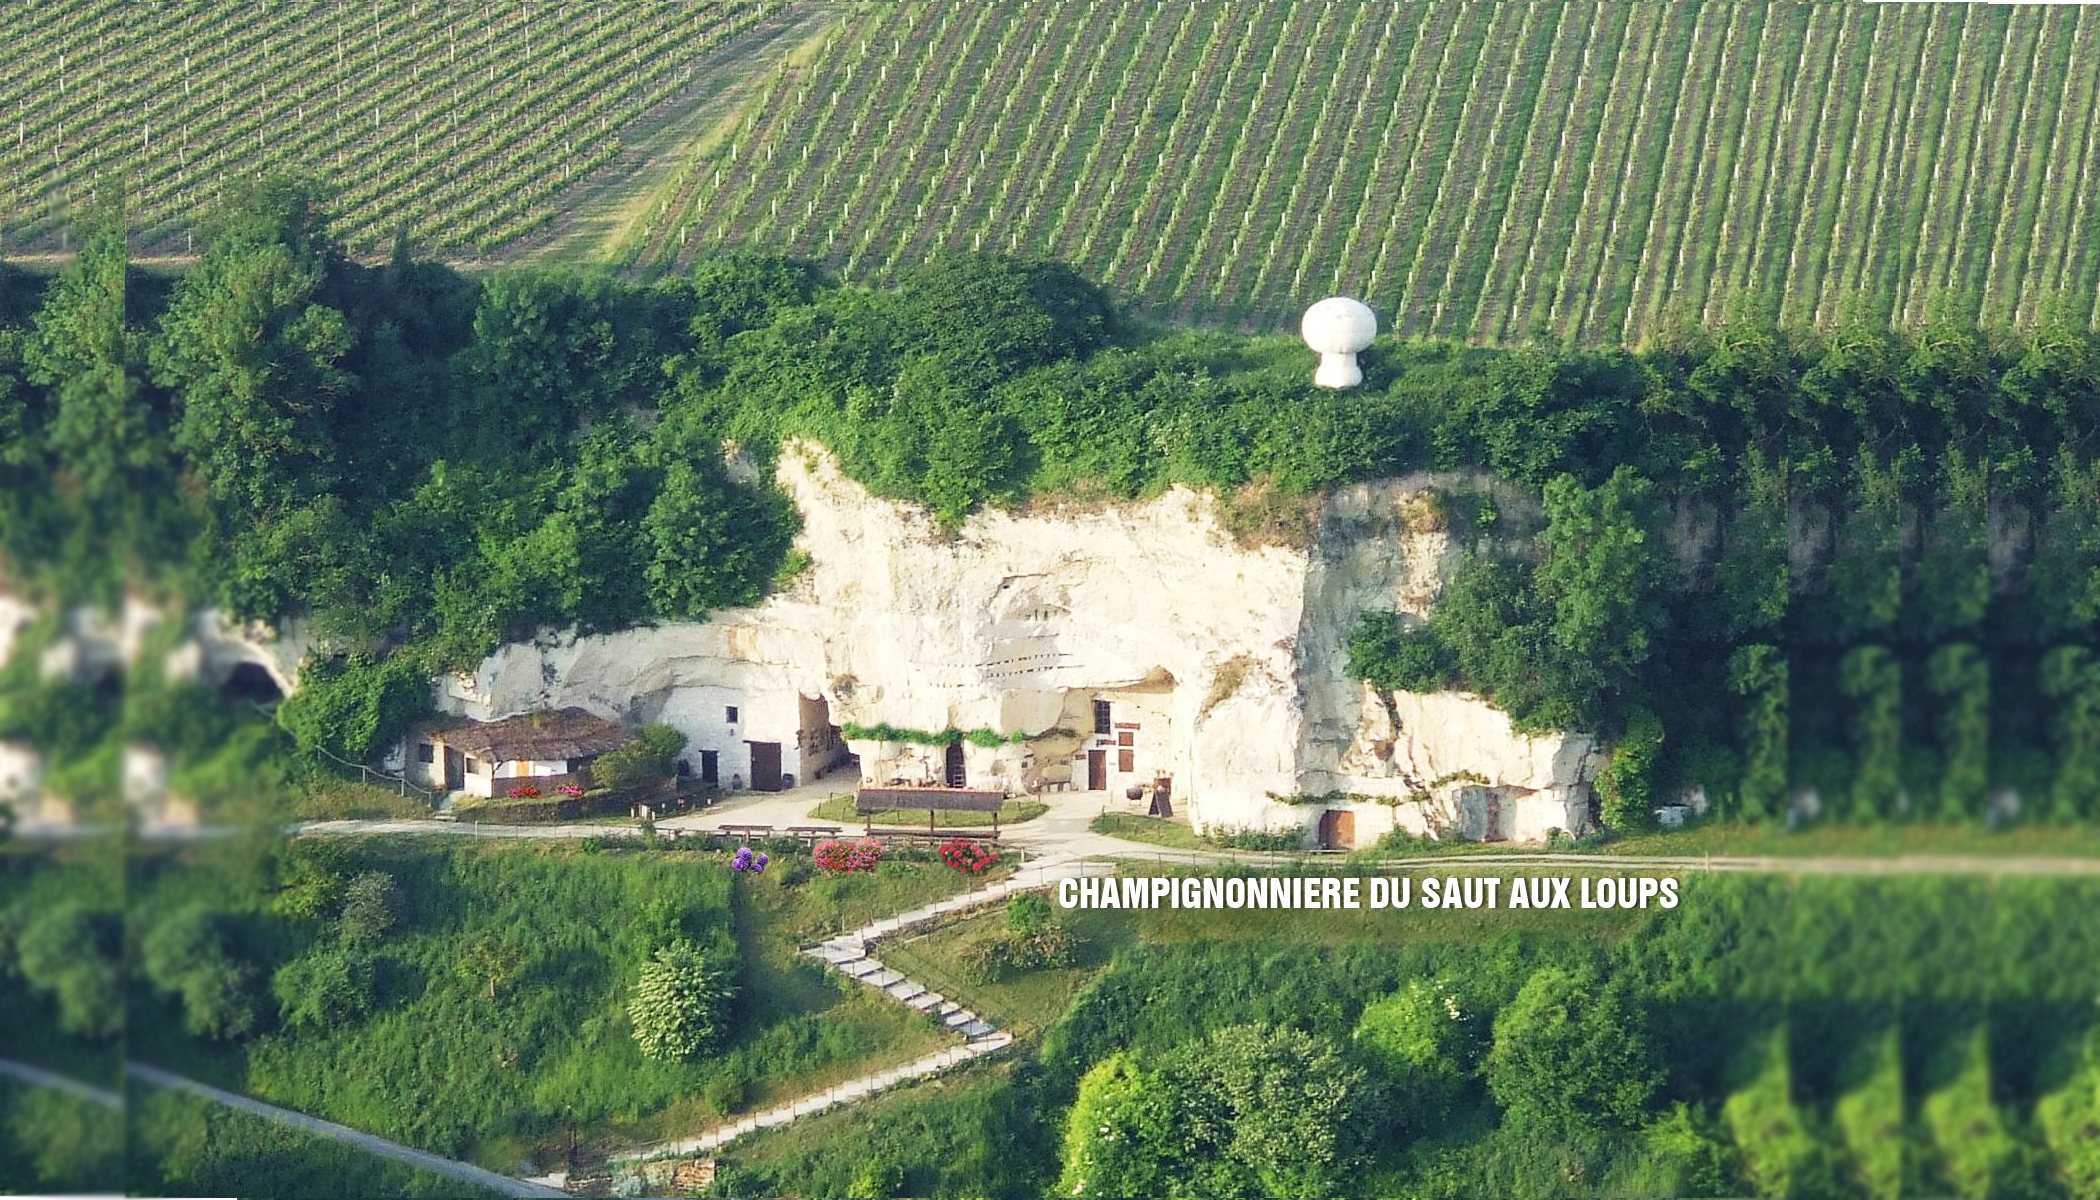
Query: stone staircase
[853, 955]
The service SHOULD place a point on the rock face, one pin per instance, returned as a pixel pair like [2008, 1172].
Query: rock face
[1104, 648]
[1443, 765]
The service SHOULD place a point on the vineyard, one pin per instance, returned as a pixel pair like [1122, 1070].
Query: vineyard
[1490, 171]
[459, 123]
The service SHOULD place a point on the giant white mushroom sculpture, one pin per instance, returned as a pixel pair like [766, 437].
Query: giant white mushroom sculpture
[1339, 329]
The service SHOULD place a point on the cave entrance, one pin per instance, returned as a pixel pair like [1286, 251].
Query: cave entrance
[957, 776]
[248, 683]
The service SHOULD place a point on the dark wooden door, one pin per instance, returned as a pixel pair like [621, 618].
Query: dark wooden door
[765, 766]
[1096, 770]
[455, 770]
[957, 775]
[710, 766]
[1337, 830]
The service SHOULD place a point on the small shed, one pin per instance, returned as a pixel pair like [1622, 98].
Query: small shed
[870, 800]
[543, 750]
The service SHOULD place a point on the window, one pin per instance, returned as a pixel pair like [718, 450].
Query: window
[732, 714]
[1126, 760]
[473, 765]
[1102, 721]
[425, 752]
[1126, 738]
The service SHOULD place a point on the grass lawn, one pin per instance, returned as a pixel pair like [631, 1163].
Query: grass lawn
[1156, 831]
[1710, 837]
[1863, 841]
[1027, 1002]
[341, 800]
[840, 809]
[968, 1132]
[438, 1062]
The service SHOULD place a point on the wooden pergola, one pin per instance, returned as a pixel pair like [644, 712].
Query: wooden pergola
[870, 800]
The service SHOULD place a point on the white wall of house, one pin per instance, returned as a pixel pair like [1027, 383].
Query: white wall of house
[726, 719]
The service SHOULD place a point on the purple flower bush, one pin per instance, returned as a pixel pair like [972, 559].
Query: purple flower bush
[745, 860]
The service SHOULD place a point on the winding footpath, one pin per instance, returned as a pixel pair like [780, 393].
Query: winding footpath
[39, 1077]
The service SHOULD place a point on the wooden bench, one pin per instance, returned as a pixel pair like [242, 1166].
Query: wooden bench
[813, 833]
[748, 831]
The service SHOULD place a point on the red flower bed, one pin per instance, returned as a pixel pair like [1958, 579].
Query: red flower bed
[971, 858]
[847, 857]
[525, 791]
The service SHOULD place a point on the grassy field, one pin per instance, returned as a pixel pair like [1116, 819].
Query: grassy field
[840, 808]
[1595, 171]
[1025, 1003]
[441, 1063]
[1153, 831]
[187, 1146]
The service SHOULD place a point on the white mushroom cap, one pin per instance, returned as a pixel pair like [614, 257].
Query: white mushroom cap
[1339, 325]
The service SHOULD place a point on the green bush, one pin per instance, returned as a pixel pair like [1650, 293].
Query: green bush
[650, 758]
[1026, 914]
[1225, 837]
[1626, 785]
[1427, 1046]
[1248, 1110]
[185, 954]
[356, 708]
[1572, 1048]
[681, 1001]
[70, 951]
[371, 908]
[323, 989]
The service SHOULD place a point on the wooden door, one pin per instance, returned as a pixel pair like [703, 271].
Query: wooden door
[957, 776]
[1096, 770]
[455, 770]
[710, 766]
[1337, 830]
[765, 766]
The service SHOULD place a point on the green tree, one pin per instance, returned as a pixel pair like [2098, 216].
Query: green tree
[357, 707]
[254, 353]
[324, 988]
[371, 908]
[102, 426]
[1602, 575]
[185, 955]
[710, 542]
[651, 757]
[494, 958]
[681, 1001]
[70, 951]
[1571, 1047]
[1123, 1137]
[1626, 785]
[1425, 1045]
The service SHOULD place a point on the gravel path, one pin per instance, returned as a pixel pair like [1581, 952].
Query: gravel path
[39, 1077]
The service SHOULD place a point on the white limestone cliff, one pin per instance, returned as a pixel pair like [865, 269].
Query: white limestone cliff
[1223, 666]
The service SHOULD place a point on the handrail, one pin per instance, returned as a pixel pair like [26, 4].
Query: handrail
[364, 775]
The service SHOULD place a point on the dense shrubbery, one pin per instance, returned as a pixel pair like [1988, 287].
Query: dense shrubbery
[650, 758]
[1860, 559]
[1744, 1043]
